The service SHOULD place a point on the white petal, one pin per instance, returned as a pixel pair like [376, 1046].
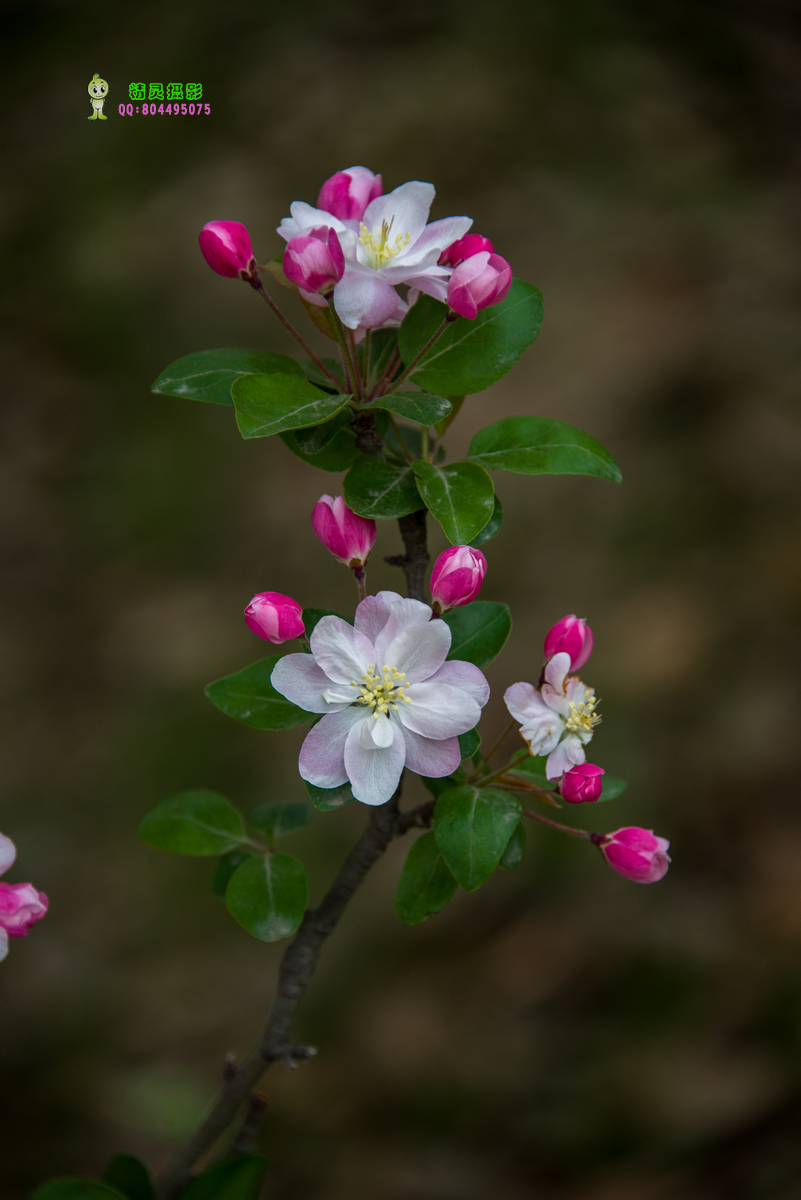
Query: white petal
[438, 710]
[373, 613]
[322, 755]
[374, 771]
[438, 288]
[525, 703]
[466, 676]
[439, 235]
[417, 652]
[8, 852]
[380, 729]
[556, 669]
[298, 677]
[342, 652]
[575, 690]
[431, 758]
[3, 944]
[542, 733]
[362, 297]
[569, 753]
[409, 205]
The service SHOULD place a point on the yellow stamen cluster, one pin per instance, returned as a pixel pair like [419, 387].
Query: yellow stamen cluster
[378, 250]
[583, 715]
[381, 692]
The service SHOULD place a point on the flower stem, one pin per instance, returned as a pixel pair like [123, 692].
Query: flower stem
[439, 332]
[386, 374]
[360, 575]
[256, 283]
[502, 738]
[368, 337]
[579, 833]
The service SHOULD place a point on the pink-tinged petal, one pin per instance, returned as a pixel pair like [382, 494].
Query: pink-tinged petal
[3, 944]
[8, 852]
[409, 205]
[381, 729]
[416, 652]
[305, 217]
[298, 677]
[542, 733]
[21, 906]
[524, 702]
[438, 235]
[431, 285]
[362, 297]
[636, 854]
[405, 615]
[373, 771]
[569, 753]
[342, 652]
[372, 614]
[556, 669]
[438, 710]
[466, 676]
[322, 755]
[431, 758]
[576, 689]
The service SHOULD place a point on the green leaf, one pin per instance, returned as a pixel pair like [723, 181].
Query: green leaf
[267, 404]
[532, 769]
[382, 344]
[479, 631]
[492, 526]
[314, 439]
[413, 437]
[249, 696]
[469, 742]
[312, 615]
[130, 1177]
[470, 355]
[415, 406]
[268, 896]
[193, 823]
[460, 496]
[472, 829]
[541, 446]
[209, 374]
[237, 1179]
[374, 488]
[314, 375]
[225, 869]
[515, 849]
[328, 799]
[76, 1189]
[425, 885]
[280, 817]
[444, 783]
[337, 455]
[612, 788]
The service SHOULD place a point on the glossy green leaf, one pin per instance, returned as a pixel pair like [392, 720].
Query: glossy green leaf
[198, 822]
[238, 1178]
[337, 455]
[375, 488]
[612, 788]
[460, 496]
[328, 799]
[76, 1189]
[314, 439]
[209, 374]
[470, 355]
[415, 406]
[129, 1176]
[479, 631]
[268, 404]
[413, 437]
[541, 446]
[492, 526]
[268, 896]
[531, 768]
[312, 615]
[225, 869]
[382, 344]
[472, 829]
[425, 885]
[515, 849]
[469, 742]
[314, 375]
[444, 783]
[249, 696]
[280, 817]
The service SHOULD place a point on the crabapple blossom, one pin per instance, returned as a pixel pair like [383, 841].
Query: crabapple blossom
[558, 719]
[573, 636]
[635, 853]
[582, 784]
[347, 194]
[226, 247]
[274, 617]
[478, 282]
[21, 905]
[457, 577]
[315, 262]
[466, 247]
[389, 698]
[349, 537]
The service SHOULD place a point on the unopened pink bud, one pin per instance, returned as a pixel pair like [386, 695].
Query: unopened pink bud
[457, 577]
[466, 247]
[347, 194]
[274, 617]
[478, 282]
[315, 261]
[572, 635]
[582, 784]
[635, 853]
[226, 247]
[20, 907]
[349, 537]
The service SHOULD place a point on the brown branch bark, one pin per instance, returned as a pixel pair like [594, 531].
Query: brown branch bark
[414, 562]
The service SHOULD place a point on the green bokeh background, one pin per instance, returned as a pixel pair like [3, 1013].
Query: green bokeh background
[561, 1034]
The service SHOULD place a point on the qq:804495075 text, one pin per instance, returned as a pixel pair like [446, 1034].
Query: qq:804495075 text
[174, 110]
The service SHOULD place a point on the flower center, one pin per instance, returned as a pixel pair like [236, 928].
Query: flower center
[379, 251]
[381, 692]
[583, 716]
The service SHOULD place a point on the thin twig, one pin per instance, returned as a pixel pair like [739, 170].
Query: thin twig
[360, 576]
[579, 833]
[400, 437]
[256, 283]
[405, 374]
[386, 374]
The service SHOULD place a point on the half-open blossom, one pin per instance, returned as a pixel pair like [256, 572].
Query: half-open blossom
[314, 263]
[457, 577]
[559, 719]
[582, 784]
[274, 617]
[347, 194]
[572, 635]
[226, 247]
[466, 247]
[635, 853]
[21, 906]
[349, 537]
[478, 282]
[389, 697]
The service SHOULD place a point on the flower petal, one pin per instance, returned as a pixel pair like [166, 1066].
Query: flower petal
[342, 652]
[298, 677]
[322, 755]
[466, 676]
[304, 217]
[525, 703]
[438, 711]
[362, 297]
[373, 613]
[8, 852]
[417, 651]
[373, 771]
[569, 753]
[407, 208]
[556, 668]
[381, 730]
[438, 235]
[431, 758]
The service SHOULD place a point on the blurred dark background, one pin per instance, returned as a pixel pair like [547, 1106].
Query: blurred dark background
[561, 1034]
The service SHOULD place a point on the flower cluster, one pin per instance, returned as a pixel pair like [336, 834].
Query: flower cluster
[21, 905]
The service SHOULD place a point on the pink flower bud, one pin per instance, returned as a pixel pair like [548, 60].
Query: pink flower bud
[479, 281]
[466, 247]
[457, 577]
[347, 194]
[274, 617]
[225, 245]
[572, 635]
[635, 853]
[582, 784]
[20, 907]
[315, 261]
[349, 537]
